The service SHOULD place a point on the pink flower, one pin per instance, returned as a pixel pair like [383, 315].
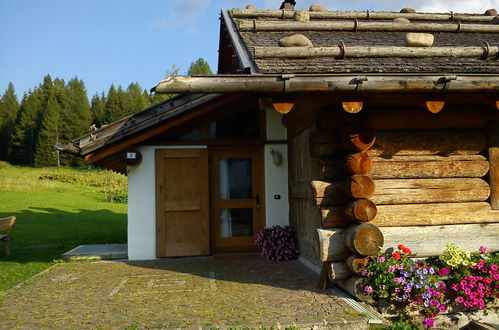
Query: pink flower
[459, 300]
[368, 288]
[381, 259]
[493, 267]
[443, 272]
[442, 308]
[483, 249]
[429, 323]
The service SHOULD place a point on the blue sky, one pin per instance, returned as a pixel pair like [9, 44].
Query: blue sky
[124, 41]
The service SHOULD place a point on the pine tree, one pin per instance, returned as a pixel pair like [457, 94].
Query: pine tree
[199, 67]
[24, 138]
[97, 107]
[126, 104]
[9, 107]
[49, 134]
[139, 100]
[112, 106]
[75, 116]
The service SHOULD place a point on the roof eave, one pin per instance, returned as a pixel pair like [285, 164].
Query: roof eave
[353, 82]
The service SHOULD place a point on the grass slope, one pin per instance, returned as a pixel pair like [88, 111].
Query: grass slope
[59, 209]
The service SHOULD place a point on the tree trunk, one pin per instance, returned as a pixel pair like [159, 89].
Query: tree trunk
[434, 214]
[413, 167]
[412, 191]
[364, 239]
[421, 142]
[361, 210]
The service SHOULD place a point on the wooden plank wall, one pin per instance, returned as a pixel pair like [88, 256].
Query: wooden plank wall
[304, 216]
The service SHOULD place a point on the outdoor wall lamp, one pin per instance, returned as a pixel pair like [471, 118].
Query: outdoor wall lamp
[276, 157]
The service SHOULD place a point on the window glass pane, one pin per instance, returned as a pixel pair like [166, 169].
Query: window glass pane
[236, 222]
[235, 178]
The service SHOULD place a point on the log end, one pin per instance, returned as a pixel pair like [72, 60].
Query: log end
[358, 163]
[359, 186]
[364, 239]
[362, 210]
[358, 137]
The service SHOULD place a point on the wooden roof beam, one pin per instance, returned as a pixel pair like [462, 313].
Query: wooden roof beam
[374, 51]
[375, 83]
[354, 26]
[371, 15]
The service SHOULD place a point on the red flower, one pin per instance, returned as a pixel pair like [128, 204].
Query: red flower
[401, 247]
[406, 250]
[396, 255]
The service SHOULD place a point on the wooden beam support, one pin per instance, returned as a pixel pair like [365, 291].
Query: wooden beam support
[267, 103]
[352, 106]
[434, 106]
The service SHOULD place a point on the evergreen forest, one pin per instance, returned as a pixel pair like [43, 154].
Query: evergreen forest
[57, 112]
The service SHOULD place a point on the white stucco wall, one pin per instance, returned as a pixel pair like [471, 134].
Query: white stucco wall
[276, 176]
[142, 204]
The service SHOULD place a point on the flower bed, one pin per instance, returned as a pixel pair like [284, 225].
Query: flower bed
[277, 243]
[469, 280]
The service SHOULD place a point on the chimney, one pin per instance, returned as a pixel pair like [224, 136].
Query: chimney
[288, 4]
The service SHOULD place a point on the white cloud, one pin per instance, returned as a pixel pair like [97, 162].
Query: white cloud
[183, 14]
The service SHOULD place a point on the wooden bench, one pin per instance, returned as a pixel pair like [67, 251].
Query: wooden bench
[6, 225]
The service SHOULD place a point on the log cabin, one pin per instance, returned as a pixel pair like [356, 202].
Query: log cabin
[361, 130]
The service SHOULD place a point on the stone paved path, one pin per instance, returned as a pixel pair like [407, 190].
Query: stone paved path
[186, 292]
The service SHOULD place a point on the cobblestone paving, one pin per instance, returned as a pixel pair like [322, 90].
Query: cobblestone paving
[186, 292]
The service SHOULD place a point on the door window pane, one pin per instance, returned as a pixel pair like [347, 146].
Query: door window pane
[235, 178]
[236, 222]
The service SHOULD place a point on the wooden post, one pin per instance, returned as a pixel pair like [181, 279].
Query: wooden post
[493, 144]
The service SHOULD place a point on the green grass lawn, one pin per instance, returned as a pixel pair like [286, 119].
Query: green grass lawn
[57, 209]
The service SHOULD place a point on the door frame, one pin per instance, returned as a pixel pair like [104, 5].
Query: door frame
[236, 244]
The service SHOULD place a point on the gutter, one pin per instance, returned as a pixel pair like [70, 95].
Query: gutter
[297, 83]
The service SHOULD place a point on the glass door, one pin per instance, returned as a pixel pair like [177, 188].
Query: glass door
[237, 198]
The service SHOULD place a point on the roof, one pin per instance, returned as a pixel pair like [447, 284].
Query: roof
[337, 32]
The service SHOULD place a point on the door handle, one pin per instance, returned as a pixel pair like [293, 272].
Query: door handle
[257, 200]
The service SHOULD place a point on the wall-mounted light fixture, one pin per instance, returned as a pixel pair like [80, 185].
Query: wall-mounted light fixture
[276, 157]
[132, 157]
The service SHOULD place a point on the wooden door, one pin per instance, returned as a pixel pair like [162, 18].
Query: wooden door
[182, 194]
[237, 198]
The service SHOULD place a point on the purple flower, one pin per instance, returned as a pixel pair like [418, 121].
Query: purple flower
[381, 259]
